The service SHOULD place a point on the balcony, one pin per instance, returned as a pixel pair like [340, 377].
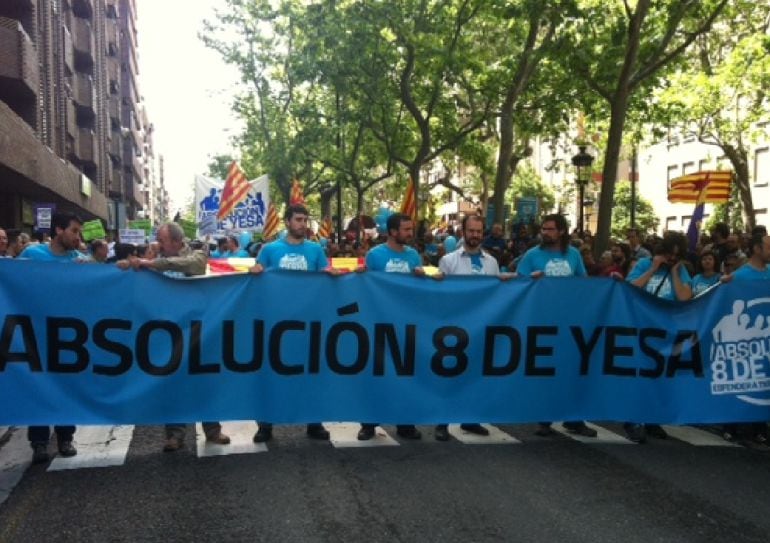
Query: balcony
[84, 94]
[69, 50]
[85, 149]
[83, 8]
[112, 8]
[113, 74]
[83, 43]
[113, 106]
[113, 37]
[19, 72]
[73, 130]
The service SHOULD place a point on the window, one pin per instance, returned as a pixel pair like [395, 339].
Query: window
[688, 167]
[671, 173]
[686, 221]
[762, 167]
[724, 164]
[670, 223]
[760, 217]
[703, 164]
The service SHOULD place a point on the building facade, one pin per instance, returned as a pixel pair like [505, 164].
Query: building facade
[72, 130]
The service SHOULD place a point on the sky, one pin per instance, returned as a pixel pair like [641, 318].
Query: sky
[187, 88]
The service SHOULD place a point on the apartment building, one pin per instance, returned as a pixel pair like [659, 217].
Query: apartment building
[72, 135]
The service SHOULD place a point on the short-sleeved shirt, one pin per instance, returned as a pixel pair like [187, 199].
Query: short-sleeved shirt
[552, 262]
[305, 256]
[749, 272]
[460, 262]
[383, 258]
[700, 283]
[661, 275]
[41, 251]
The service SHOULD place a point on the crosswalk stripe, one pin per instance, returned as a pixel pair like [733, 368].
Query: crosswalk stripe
[699, 438]
[15, 459]
[241, 440]
[496, 436]
[98, 447]
[603, 435]
[345, 435]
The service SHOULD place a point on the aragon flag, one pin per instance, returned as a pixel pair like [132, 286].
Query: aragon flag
[272, 223]
[235, 191]
[296, 197]
[409, 205]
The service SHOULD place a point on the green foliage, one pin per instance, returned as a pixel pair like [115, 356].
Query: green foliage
[646, 220]
[527, 183]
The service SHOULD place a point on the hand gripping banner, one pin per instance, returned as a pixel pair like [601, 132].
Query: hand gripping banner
[90, 344]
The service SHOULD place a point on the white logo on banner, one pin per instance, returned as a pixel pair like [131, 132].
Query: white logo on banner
[740, 354]
[248, 216]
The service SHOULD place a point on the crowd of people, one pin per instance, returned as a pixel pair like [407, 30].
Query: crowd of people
[663, 266]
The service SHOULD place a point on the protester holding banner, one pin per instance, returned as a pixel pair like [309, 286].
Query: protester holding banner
[294, 252]
[66, 228]
[234, 249]
[395, 256]
[4, 244]
[177, 259]
[707, 276]
[470, 259]
[98, 251]
[555, 257]
[664, 276]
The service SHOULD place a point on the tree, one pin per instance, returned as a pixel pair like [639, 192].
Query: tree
[527, 183]
[646, 220]
[617, 50]
[219, 166]
[719, 96]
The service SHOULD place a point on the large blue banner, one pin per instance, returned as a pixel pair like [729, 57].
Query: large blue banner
[90, 344]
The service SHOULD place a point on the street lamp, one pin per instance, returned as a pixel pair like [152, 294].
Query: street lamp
[582, 162]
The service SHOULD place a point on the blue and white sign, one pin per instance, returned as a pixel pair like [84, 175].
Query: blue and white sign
[248, 216]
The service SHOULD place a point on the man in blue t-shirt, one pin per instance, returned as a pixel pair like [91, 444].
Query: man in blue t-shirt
[395, 256]
[66, 228]
[757, 267]
[555, 257]
[664, 276]
[294, 252]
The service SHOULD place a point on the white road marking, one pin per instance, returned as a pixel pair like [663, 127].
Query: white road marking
[699, 438]
[98, 447]
[241, 440]
[603, 436]
[15, 458]
[496, 436]
[345, 434]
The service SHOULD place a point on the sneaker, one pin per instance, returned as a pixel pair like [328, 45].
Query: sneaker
[366, 433]
[656, 431]
[477, 429]
[544, 430]
[66, 449]
[263, 434]
[636, 433]
[39, 453]
[408, 432]
[218, 438]
[442, 433]
[173, 444]
[317, 431]
[579, 428]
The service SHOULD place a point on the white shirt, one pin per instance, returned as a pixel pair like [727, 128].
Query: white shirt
[459, 262]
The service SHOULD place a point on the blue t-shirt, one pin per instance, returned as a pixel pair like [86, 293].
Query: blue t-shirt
[750, 272]
[306, 256]
[240, 253]
[42, 251]
[666, 291]
[383, 258]
[552, 262]
[701, 283]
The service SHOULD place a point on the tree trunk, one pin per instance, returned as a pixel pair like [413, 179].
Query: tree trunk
[610, 173]
[326, 201]
[739, 159]
[504, 157]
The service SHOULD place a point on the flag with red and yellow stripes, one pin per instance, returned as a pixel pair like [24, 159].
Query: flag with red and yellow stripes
[235, 191]
[296, 197]
[701, 187]
[326, 229]
[272, 223]
[409, 205]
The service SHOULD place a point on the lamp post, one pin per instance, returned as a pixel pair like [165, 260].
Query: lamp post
[582, 162]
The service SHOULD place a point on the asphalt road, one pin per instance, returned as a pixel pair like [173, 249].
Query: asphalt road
[542, 489]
